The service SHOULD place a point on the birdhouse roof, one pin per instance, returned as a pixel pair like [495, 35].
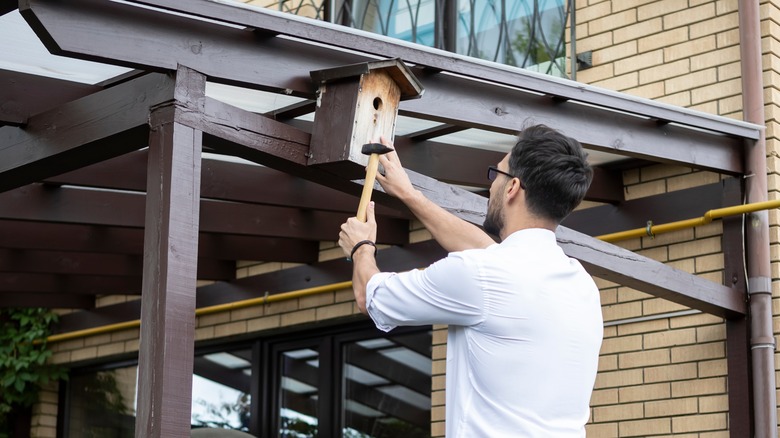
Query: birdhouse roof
[411, 88]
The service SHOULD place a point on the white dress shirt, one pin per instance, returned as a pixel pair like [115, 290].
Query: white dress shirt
[525, 329]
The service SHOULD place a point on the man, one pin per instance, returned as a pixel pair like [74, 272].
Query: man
[525, 323]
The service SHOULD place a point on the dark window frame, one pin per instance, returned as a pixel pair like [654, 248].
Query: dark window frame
[266, 351]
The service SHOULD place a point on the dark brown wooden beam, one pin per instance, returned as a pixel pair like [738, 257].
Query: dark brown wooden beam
[52, 301]
[292, 111]
[15, 234]
[340, 36]
[740, 388]
[436, 131]
[447, 163]
[68, 284]
[660, 209]
[167, 339]
[82, 206]
[400, 258]
[8, 6]
[508, 110]
[25, 95]
[92, 29]
[82, 132]
[247, 136]
[624, 267]
[606, 186]
[84, 263]
[119, 240]
[257, 184]
[223, 180]
[467, 166]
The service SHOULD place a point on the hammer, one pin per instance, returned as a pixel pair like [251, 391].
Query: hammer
[373, 150]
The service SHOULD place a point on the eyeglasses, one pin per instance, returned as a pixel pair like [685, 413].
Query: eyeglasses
[494, 171]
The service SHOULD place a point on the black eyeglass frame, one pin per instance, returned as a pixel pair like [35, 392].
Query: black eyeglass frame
[494, 171]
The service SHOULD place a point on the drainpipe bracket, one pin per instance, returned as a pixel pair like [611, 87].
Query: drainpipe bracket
[763, 342]
[759, 285]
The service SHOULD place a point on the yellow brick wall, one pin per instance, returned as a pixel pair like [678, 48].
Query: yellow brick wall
[668, 375]
[770, 33]
[662, 374]
[685, 53]
[439, 356]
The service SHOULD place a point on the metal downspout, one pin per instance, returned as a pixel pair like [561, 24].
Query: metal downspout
[762, 341]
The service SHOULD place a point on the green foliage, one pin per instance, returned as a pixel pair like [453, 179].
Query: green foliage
[23, 356]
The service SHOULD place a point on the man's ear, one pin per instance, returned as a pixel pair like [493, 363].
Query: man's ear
[513, 189]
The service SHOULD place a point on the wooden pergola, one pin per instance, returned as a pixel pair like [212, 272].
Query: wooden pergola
[104, 189]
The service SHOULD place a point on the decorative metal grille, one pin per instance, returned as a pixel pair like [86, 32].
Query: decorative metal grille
[524, 33]
[305, 8]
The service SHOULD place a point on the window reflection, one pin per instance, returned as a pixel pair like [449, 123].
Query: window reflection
[353, 381]
[220, 390]
[299, 392]
[522, 33]
[387, 385]
[412, 21]
[102, 404]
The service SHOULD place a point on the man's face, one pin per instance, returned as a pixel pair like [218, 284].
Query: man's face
[494, 219]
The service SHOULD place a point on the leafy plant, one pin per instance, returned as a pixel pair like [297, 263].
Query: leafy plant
[23, 356]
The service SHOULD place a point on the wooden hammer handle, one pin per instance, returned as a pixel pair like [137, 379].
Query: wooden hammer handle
[368, 186]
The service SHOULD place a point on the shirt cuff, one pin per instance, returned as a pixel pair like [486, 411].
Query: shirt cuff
[376, 315]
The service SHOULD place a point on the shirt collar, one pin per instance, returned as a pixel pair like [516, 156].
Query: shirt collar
[530, 235]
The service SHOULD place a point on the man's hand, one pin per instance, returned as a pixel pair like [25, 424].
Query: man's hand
[353, 231]
[394, 180]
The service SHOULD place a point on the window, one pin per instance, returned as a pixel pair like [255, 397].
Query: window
[347, 381]
[350, 382]
[523, 33]
[387, 386]
[100, 403]
[221, 388]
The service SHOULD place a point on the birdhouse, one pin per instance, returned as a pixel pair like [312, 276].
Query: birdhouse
[357, 104]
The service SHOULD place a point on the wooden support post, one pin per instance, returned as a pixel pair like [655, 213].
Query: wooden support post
[737, 332]
[170, 262]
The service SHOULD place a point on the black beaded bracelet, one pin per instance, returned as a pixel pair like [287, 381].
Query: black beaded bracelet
[358, 245]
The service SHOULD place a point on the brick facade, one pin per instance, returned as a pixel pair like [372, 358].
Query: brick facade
[661, 375]
[662, 369]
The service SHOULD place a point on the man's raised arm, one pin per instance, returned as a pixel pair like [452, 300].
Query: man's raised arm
[452, 233]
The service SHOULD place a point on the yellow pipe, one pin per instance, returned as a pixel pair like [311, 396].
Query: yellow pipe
[718, 213]
[206, 310]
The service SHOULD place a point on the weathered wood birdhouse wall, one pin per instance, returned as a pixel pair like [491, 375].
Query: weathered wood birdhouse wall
[356, 105]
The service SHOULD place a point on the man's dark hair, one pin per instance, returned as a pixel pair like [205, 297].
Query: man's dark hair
[553, 169]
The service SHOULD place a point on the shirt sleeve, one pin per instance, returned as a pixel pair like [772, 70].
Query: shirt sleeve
[447, 292]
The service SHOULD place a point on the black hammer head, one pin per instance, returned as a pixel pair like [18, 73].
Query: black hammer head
[375, 148]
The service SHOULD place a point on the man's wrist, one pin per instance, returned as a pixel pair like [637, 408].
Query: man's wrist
[362, 245]
[411, 197]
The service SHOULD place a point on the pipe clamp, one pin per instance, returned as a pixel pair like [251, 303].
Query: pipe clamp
[759, 285]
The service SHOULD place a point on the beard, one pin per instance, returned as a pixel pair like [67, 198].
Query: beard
[494, 219]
